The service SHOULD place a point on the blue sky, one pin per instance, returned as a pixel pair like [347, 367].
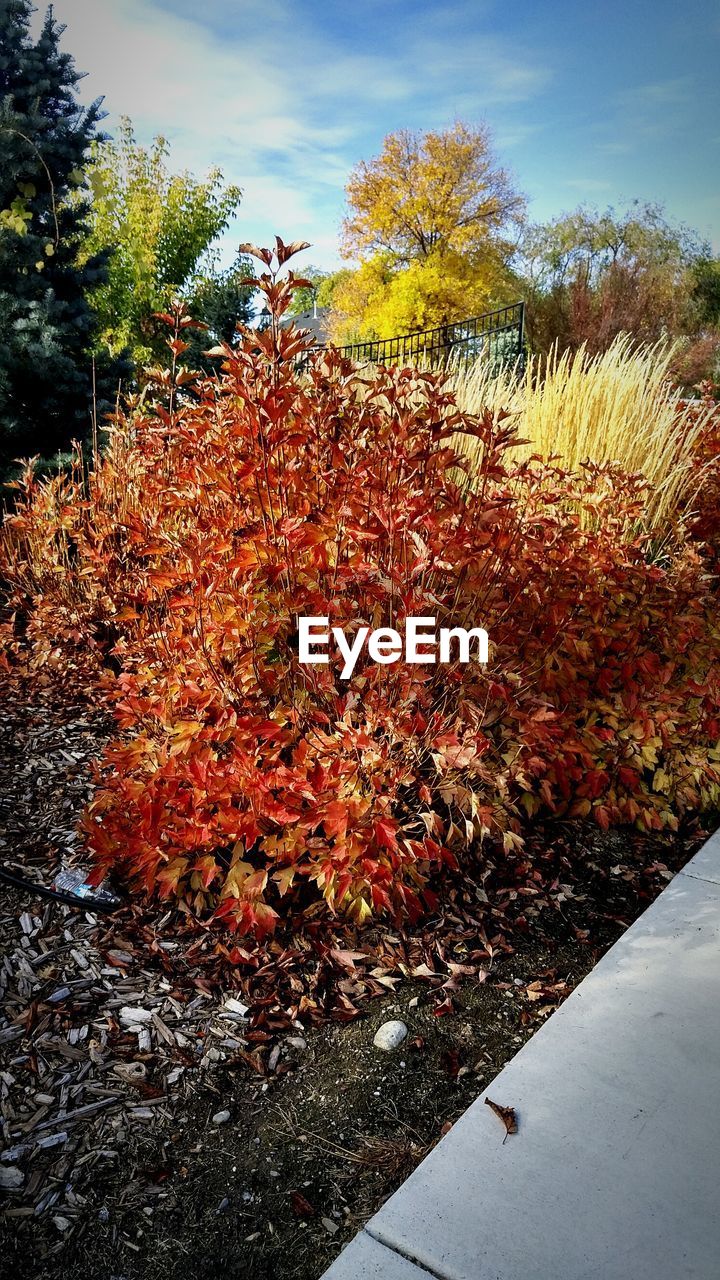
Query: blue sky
[589, 102]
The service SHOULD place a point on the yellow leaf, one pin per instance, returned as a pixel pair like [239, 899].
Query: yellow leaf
[283, 879]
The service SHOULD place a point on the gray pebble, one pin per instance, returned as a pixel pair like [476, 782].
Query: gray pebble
[390, 1035]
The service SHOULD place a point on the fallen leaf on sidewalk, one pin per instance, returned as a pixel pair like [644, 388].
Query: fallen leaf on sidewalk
[506, 1114]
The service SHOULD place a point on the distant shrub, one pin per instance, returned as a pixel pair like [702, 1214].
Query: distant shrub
[244, 784]
[698, 361]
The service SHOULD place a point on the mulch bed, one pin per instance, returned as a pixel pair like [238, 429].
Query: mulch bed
[126, 1040]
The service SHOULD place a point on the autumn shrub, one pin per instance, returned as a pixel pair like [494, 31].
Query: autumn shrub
[243, 784]
[697, 361]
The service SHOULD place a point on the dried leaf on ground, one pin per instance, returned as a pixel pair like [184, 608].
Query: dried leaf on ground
[506, 1114]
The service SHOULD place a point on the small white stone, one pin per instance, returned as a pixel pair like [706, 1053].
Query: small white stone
[221, 1117]
[236, 1007]
[10, 1178]
[130, 1013]
[390, 1035]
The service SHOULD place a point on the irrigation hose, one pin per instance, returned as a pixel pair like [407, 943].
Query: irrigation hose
[69, 899]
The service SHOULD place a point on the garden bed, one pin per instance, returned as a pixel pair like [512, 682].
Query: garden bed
[121, 1169]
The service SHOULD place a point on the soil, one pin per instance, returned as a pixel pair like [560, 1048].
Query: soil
[321, 1130]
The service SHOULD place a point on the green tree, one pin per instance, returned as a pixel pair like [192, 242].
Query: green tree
[327, 288]
[706, 290]
[303, 299]
[47, 267]
[221, 300]
[159, 224]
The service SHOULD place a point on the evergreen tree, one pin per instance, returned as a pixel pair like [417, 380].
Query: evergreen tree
[47, 327]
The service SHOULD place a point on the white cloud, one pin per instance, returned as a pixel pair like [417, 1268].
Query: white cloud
[516, 135]
[660, 93]
[283, 109]
[218, 102]
[588, 184]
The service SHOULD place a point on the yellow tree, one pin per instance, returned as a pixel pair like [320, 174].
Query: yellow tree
[377, 301]
[427, 220]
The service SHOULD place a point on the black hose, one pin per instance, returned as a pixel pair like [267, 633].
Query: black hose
[70, 900]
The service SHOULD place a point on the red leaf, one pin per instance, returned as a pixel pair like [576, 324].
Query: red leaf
[301, 1207]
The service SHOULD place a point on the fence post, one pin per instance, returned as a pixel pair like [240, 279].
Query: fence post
[521, 332]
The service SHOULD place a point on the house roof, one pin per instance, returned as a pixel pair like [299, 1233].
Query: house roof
[315, 321]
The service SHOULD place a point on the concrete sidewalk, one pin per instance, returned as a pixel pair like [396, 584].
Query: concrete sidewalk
[615, 1171]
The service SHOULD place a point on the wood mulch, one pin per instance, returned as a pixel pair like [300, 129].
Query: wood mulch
[125, 1039]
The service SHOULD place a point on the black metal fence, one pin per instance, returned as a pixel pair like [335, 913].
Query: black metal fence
[498, 335]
